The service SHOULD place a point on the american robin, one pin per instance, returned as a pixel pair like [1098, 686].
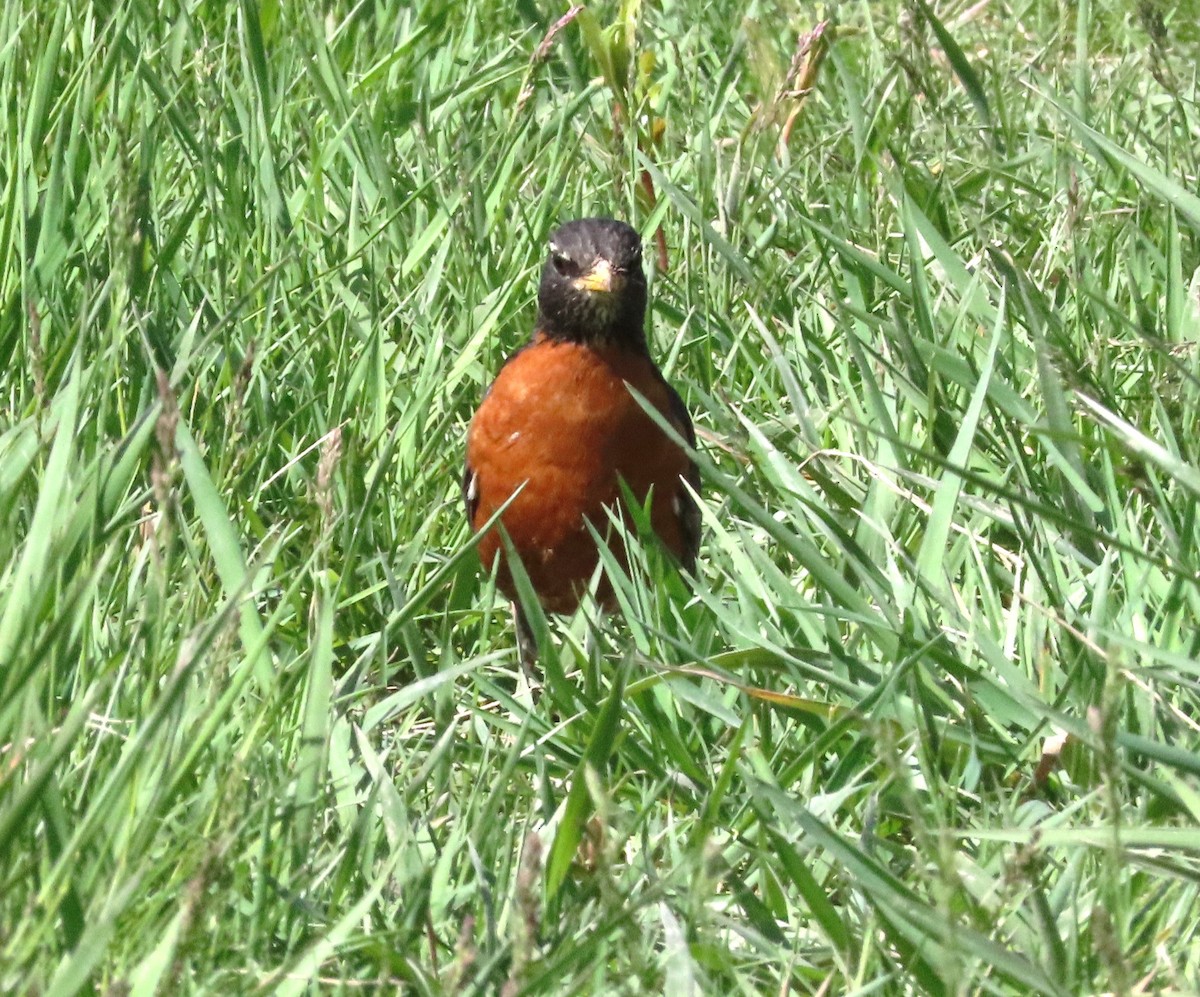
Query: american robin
[560, 427]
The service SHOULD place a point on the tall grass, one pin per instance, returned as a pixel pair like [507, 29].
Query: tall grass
[926, 723]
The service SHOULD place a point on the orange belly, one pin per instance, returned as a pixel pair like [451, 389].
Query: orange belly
[560, 421]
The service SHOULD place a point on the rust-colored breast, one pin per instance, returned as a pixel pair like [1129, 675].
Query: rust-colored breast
[560, 420]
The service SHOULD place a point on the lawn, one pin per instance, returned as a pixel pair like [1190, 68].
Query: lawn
[927, 721]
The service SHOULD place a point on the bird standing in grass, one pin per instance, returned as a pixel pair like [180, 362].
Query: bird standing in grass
[561, 429]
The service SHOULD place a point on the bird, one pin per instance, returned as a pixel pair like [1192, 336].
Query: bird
[560, 429]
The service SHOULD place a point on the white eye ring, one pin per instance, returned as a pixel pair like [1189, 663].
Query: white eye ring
[562, 260]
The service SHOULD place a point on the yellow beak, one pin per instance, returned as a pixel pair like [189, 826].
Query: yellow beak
[601, 277]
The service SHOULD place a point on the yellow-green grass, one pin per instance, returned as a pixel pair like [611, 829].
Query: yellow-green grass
[927, 721]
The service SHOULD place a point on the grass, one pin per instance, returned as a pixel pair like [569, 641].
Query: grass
[926, 722]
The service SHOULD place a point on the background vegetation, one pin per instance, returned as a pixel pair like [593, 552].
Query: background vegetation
[928, 721]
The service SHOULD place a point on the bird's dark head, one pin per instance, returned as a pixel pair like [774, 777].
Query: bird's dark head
[593, 289]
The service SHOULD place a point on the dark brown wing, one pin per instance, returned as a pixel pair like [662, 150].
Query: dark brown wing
[470, 493]
[689, 512]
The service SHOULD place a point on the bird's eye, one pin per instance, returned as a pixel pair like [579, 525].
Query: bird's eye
[564, 264]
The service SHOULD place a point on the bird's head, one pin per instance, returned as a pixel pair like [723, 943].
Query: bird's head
[593, 289]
